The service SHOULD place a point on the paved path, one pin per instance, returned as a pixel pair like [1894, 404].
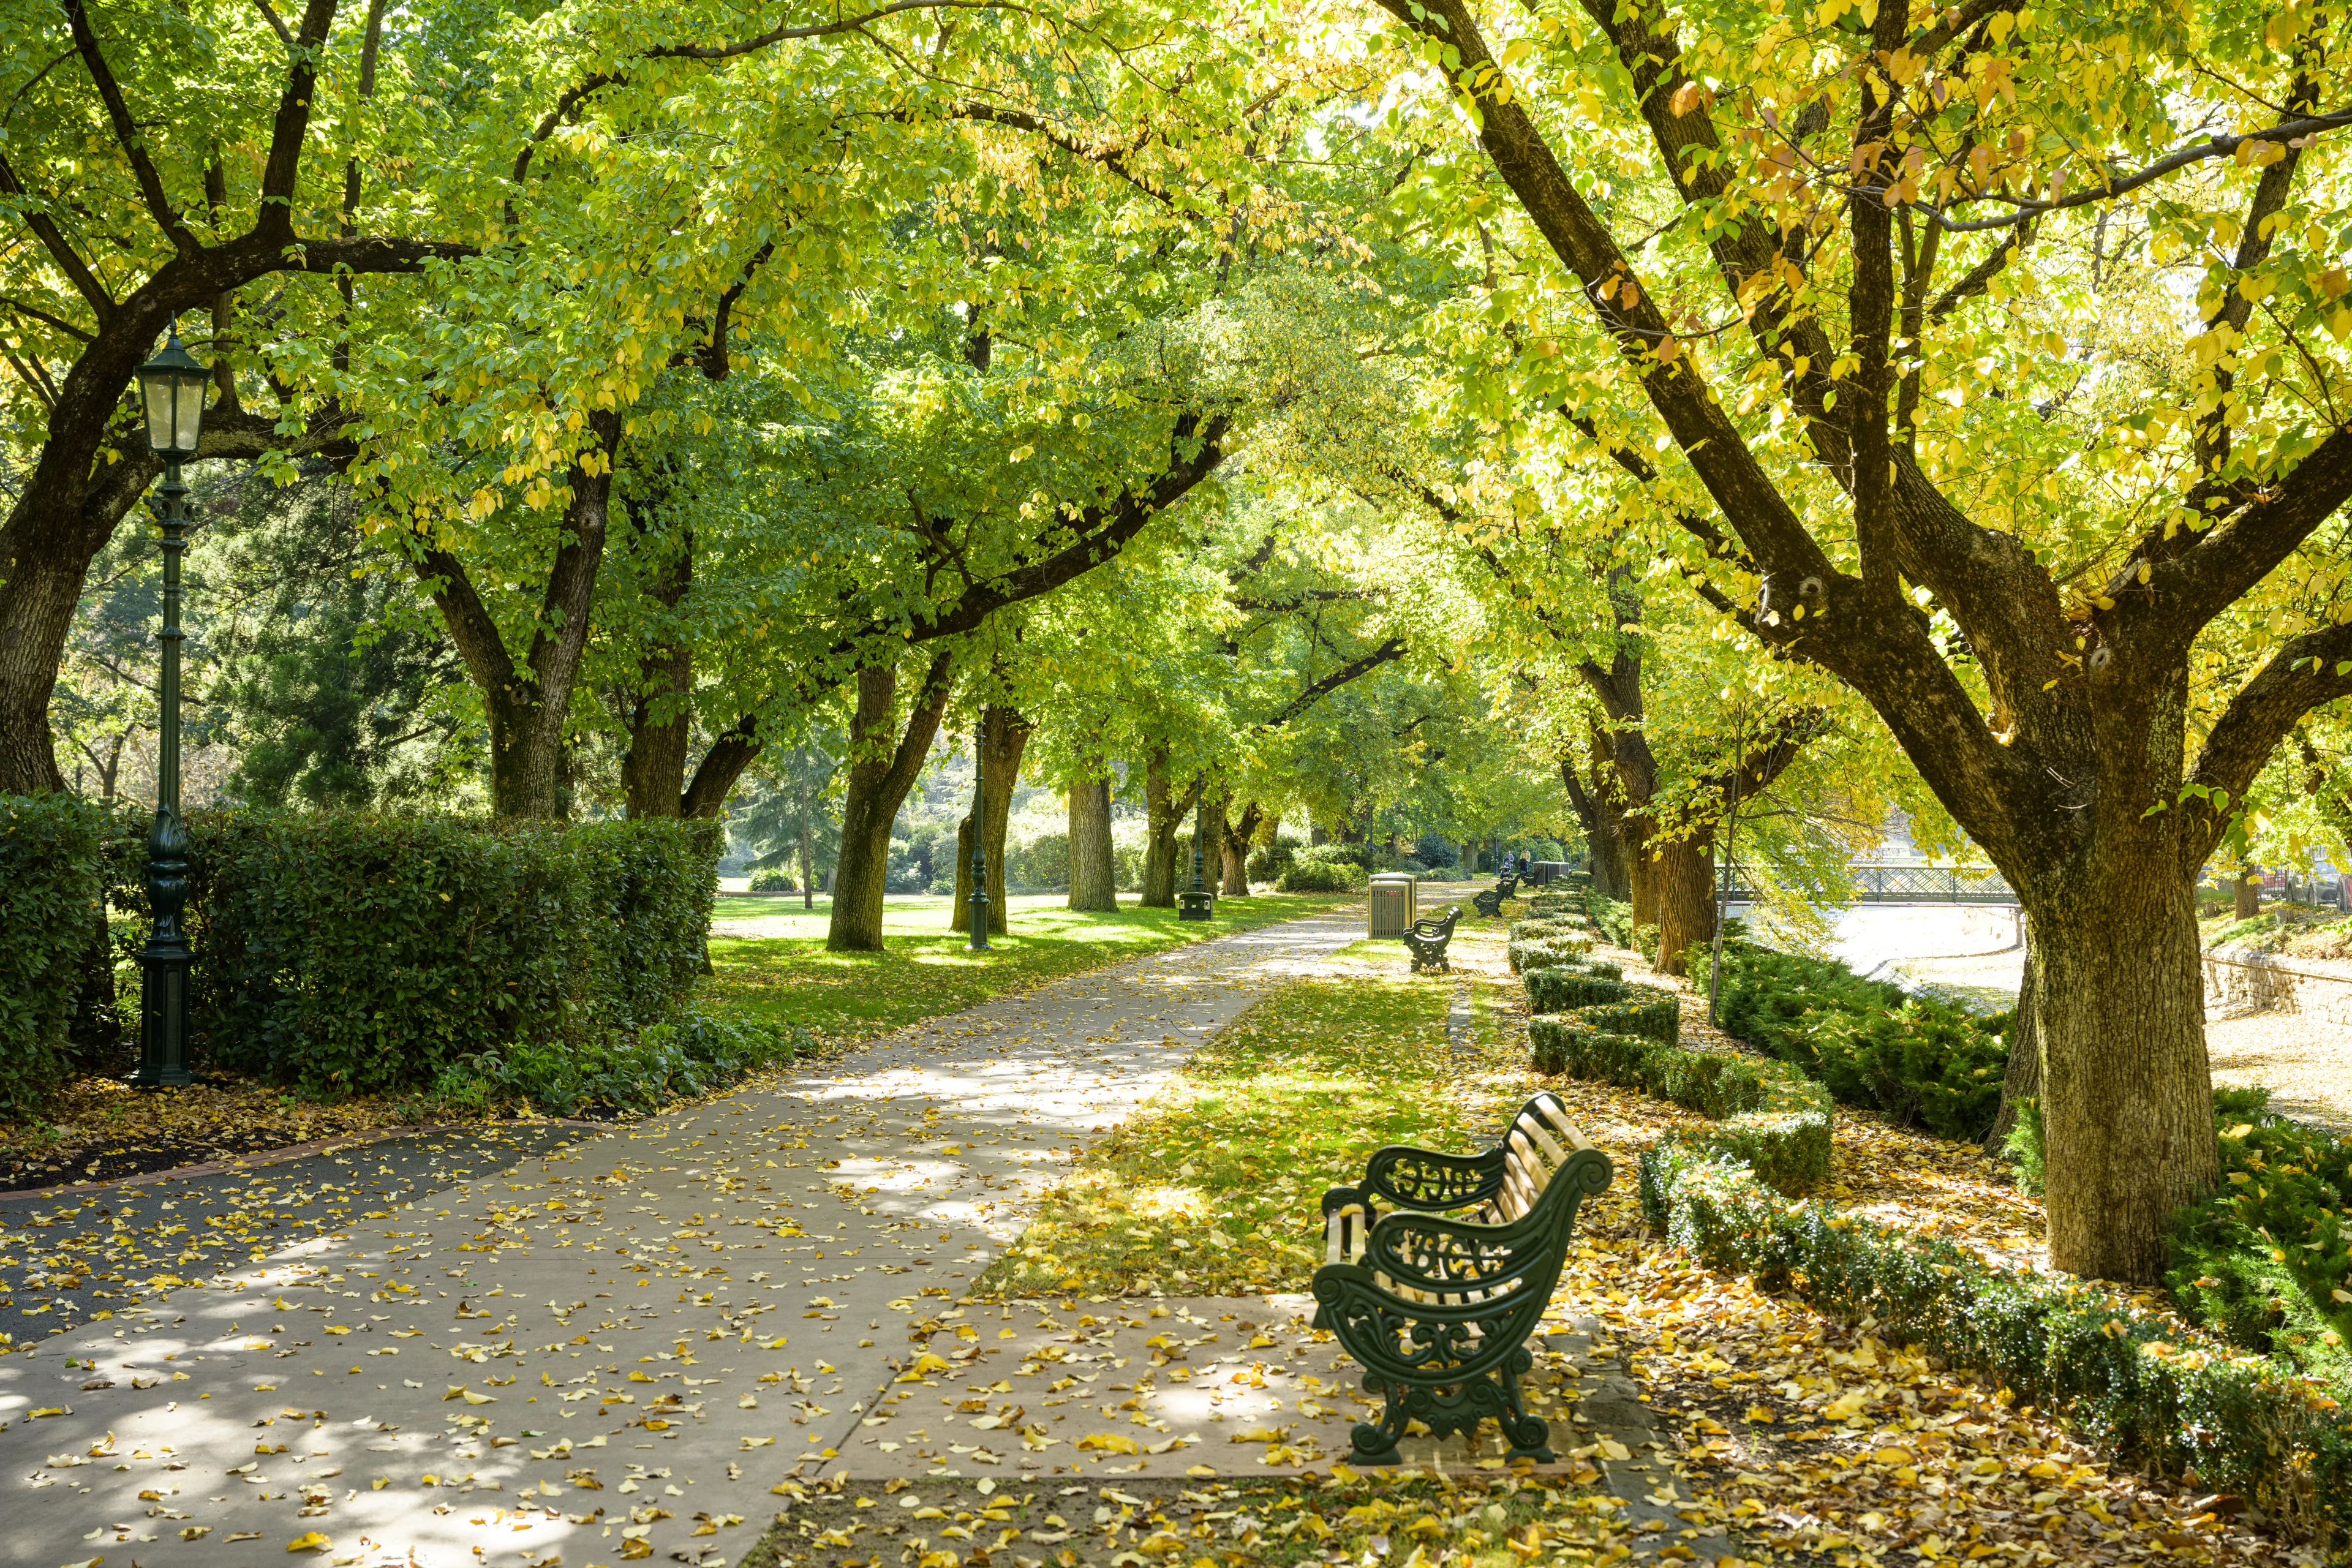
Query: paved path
[617, 1348]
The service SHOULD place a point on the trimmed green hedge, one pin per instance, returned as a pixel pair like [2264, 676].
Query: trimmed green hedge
[1321, 877]
[2247, 1426]
[1561, 987]
[1543, 928]
[1768, 1116]
[1549, 953]
[354, 952]
[51, 901]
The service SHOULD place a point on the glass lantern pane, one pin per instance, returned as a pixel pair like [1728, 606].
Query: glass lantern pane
[191, 413]
[158, 392]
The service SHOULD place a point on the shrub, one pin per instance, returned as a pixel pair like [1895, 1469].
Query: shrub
[1542, 927]
[1612, 919]
[1769, 1118]
[1363, 856]
[1546, 953]
[1557, 990]
[693, 1054]
[2247, 1427]
[350, 953]
[1870, 1042]
[51, 905]
[1643, 1010]
[1043, 862]
[1305, 876]
[1267, 862]
[774, 879]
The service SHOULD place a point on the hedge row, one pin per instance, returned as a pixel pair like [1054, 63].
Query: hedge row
[351, 952]
[1768, 1117]
[2247, 1426]
[51, 894]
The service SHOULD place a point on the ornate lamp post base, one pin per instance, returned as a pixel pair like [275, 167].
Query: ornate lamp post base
[1197, 904]
[163, 1015]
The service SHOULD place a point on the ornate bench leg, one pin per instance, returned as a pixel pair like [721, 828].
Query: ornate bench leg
[1529, 1435]
[1371, 1445]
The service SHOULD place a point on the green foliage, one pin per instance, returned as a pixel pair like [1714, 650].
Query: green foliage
[1551, 952]
[1611, 918]
[1268, 861]
[1872, 1043]
[1767, 1116]
[694, 1053]
[1305, 876]
[2247, 1426]
[50, 896]
[349, 952]
[771, 880]
[1557, 989]
[2266, 1257]
[1644, 1010]
[2023, 1147]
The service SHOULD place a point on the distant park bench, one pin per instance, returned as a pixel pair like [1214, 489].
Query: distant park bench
[1490, 902]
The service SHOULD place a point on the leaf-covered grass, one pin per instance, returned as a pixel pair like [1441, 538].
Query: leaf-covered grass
[1214, 1186]
[788, 980]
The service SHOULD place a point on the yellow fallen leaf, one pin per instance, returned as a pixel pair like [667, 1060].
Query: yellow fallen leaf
[1259, 1435]
[308, 1541]
[195, 1531]
[1757, 1414]
[1612, 1449]
[474, 1398]
[757, 1442]
[1109, 1443]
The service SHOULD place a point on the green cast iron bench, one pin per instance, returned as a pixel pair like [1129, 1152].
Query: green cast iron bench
[1490, 902]
[1438, 1307]
[1428, 938]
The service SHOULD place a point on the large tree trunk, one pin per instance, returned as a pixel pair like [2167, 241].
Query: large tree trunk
[2023, 1080]
[808, 862]
[1641, 873]
[1239, 832]
[1596, 810]
[1163, 814]
[653, 770]
[1682, 883]
[2127, 1088]
[1209, 825]
[2250, 894]
[1094, 871]
[880, 774]
[1000, 770]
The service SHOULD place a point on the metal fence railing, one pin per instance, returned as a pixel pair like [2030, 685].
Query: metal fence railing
[1876, 884]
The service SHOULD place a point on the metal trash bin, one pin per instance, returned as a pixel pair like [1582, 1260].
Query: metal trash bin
[1388, 903]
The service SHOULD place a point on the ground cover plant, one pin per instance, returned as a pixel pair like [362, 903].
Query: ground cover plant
[924, 970]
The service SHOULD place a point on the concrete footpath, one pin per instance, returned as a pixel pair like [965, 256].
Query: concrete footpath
[614, 1349]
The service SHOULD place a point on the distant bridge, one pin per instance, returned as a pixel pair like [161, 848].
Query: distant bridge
[1922, 885]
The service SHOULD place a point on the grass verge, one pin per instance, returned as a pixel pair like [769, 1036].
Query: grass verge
[787, 979]
[1213, 1187]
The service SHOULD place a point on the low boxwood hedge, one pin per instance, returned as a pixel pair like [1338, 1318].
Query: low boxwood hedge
[1769, 1118]
[2247, 1426]
[1560, 987]
[1549, 953]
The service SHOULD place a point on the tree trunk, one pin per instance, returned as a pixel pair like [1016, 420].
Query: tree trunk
[1000, 770]
[2250, 894]
[1682, 883]
[880, 774]
[653, 770]
[2127, 1088]
[1238, 834]
[2023, 1078]
[808, 863]
[1604, 844]
[1163, 814]
[1211, 824]
[528, 703]
[1641, 879]
[1094, 873]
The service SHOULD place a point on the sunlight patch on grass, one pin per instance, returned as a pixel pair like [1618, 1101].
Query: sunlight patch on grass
[1217, 1182]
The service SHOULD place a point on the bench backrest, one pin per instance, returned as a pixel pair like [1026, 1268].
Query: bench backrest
[1540, 1140]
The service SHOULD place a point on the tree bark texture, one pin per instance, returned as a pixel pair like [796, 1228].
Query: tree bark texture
[2023, 1080]
[1681, 884]
[653, 770]
[1094, 871]
[1163, 812]
[1597, 813]
[883, 763]
[2249, 891]
[1240, 831]
[999, 769]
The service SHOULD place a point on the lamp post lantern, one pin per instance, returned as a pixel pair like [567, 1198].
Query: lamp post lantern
[1199, 905]
[980, 836]
[172, 397]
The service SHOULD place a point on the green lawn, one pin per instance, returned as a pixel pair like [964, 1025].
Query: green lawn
[1214, 1185]
[784, 976]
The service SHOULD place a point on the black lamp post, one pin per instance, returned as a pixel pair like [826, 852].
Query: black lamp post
[980, 836]
[172, 393]
[1198, 903]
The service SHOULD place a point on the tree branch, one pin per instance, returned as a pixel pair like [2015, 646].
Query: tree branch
[2312, 669]
[126, 130]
